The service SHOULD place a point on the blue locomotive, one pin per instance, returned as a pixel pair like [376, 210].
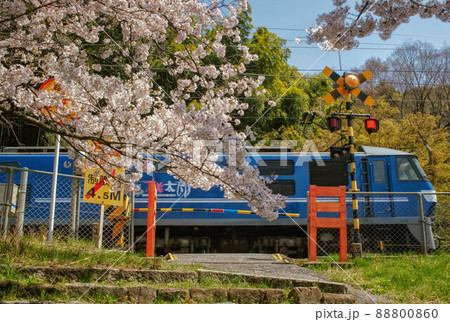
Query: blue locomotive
[188, 225]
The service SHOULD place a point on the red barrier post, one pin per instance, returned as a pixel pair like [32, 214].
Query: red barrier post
[314, 222]
[151, 220]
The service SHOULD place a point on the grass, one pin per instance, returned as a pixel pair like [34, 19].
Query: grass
[404, 278]
[32, 251]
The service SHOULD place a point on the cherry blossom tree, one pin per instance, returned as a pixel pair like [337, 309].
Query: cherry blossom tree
[132, 81]
[340, 28]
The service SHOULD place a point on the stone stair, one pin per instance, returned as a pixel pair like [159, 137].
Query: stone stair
[72, 283]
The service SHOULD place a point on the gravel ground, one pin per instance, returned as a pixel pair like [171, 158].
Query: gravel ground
[265, 265]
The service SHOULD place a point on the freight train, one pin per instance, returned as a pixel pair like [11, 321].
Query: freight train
[187, 223]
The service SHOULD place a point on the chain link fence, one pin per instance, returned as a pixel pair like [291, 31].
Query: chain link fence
[393, 222]
[25, 202]
[389, 222]
[440, 218]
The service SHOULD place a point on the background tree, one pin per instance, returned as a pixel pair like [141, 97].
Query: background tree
[414, 78]
[403, 134]
[415, 71]
[294, 93]
[279, 80]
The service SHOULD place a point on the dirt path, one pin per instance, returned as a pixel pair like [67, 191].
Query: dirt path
[265, 265]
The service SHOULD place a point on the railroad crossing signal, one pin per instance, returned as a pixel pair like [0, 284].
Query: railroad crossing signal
[348, 84]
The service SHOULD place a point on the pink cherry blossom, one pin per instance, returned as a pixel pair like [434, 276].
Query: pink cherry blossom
[126, 119]
[340, 28]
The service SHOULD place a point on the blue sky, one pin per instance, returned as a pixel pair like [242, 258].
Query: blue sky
[279, 15]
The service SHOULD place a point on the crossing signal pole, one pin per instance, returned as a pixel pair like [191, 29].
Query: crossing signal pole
[348, 85]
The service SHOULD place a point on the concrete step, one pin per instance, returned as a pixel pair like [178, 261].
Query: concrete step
[88, 292]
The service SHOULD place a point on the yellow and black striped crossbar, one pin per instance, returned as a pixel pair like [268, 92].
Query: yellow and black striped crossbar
[235, 211]
[341, 90]
[364, 76]
[338, 92]
[363, 96]
[333, 75]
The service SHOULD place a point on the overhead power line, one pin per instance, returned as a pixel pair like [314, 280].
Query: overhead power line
[394, 34]
[364, 48]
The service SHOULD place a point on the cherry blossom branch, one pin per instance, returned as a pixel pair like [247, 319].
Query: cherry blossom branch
[28, 12]
[130, 116]
[383, 16]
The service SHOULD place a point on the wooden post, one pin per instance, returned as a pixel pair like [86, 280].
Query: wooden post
[151, 220]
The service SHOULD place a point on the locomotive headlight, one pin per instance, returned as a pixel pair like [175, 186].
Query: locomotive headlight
[429, 195]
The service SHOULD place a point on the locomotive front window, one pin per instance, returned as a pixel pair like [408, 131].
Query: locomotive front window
[419, 169]
[276, 167]
[283, 187]
[406, 171]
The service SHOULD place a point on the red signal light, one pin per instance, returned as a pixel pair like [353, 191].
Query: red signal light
[334, 124]
[372, 125]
